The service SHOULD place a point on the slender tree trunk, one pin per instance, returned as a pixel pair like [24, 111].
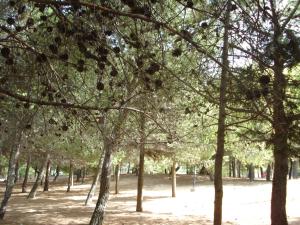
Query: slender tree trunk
[17, 171]
[117, 178]
[40, 174]
[128, 168]
[291, 169]
[78, 175]
[71, 179]
[268, 175]
[233, 167]
[98, 215]
[174, 179]
[14, 146]
[91, 193]
[238, 168]
[229, 168]
[295, 169]
[35, 171]
[218, 182]
[83, 174]
[24, 184]
[57, 172]
[139, 200]
[46, 185]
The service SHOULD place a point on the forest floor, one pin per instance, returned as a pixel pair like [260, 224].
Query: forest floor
[244, 203]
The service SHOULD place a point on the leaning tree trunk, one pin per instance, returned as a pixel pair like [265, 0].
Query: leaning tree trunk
[98, 215]
[46, 185]
[57, 172]
[174, 179]
[139, 200]
[218, 183]
[24, 184]
[91, 193]
[14, 146]
[71, 179]
[117, 178]
[40, 174]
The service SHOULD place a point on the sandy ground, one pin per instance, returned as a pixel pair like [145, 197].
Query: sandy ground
[244, 203]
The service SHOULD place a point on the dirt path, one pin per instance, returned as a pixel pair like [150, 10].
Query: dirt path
[244, 203]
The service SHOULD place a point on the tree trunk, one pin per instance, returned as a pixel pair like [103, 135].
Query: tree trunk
[78, 175]
[251, 173]
[218, 182]
[83, 174]
[57, 172]
[35, 171]
[40, 174]
[71, 179]
[17, 171]
[295, 169]
[24, 184]
[128, 168]
[229, 168]
[42, 180]
[98, 215]
[291, 169]
[14, 146]
[280, 138]
[139, 199]
[233, 166]
[268, 175]
[117, 178]
[174, 179]
[46, 185]
[91, 193]
[238, 168]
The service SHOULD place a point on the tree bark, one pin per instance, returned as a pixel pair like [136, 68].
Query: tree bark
[83, 174]
[71, 179]
[117, 178]
[174, 179]
[24, 184]
[218, 182]
[291, 169]
[280, 138]
[91, 193]
[57, 172]
[295, 169]
[238, 168]
[233, 167]
[17, 174]
[98, 215]
[229, 168]
[46, 185]
[268, 175]
[139, 199]
[251, 173]
[40, 174]
[14, 146]
[78, 175]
